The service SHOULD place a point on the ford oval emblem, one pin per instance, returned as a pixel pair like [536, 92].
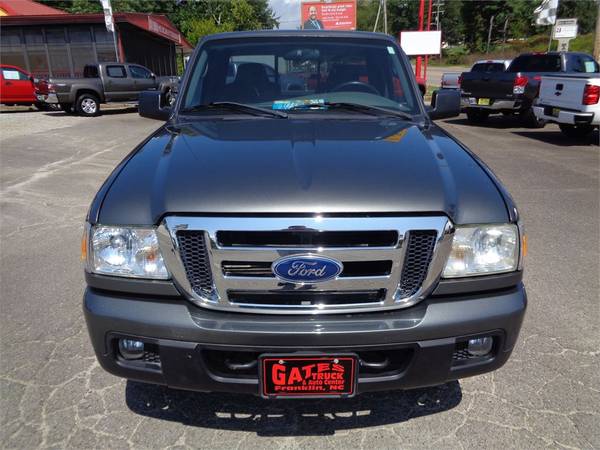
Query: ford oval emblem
[306, 269]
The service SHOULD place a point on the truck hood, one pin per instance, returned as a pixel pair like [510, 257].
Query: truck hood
[300, 166]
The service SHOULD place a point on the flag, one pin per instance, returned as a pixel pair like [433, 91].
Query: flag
[545, 14]
[108, 17]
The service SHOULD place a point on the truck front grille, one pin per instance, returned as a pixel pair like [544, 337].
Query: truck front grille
[225, 262]
[193, 252]
[416, 262]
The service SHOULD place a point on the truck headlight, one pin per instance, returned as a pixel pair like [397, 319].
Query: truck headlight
[126, 252]
[483, 250]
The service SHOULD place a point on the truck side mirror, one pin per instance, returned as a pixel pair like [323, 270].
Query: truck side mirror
[150, 106]
[444, 103]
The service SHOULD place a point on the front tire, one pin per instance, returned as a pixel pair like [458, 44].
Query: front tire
[576, 131]
[87, 105]
[477, 116]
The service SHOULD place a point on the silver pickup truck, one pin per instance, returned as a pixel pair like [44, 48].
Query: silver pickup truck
[104, 83]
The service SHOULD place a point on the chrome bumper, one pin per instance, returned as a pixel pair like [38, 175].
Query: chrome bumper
[567, 117]
[47, 98]
[496, 105]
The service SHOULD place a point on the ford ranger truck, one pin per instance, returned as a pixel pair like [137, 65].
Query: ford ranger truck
[320, 239]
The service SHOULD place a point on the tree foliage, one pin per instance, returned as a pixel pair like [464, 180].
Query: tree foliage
[195, 18]
[468, 21]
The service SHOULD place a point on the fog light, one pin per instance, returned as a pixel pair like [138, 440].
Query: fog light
[480, 346]
[131, 349]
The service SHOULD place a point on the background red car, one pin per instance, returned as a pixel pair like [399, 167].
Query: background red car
[17, 87]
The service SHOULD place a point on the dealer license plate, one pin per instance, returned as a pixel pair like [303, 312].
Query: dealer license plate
[308, 376]
[483, 101]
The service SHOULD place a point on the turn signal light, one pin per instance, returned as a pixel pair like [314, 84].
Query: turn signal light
[591, 94]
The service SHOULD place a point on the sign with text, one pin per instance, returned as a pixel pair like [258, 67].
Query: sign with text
[331, 15]
[421, 42]
[565, 29]
[160, 29]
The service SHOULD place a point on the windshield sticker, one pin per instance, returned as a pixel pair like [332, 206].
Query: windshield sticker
[391, 50]
[291, 104]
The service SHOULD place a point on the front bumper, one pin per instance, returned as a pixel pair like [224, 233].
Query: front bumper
[567, 117]
[189, 343]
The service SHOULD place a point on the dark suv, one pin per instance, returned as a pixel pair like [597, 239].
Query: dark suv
[321, 237]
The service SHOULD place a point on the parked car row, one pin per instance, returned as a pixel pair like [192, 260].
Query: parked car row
[101, 83]
[560, 87]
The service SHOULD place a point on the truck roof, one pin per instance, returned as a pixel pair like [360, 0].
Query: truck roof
[299, 33]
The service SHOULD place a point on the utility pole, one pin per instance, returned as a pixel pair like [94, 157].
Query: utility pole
[438, 5]
[377, 18]
[487, 50]
[504, 30]
[597, 37]
[385, 29]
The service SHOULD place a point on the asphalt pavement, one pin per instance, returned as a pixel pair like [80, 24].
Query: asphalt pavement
[53, 394]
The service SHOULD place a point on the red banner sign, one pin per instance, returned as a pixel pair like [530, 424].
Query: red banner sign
[332, 15]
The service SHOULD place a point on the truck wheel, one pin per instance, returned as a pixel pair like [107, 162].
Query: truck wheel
[88, 105]
[576, 131]
[477, 116]
[531, 120]
[41, 106]
[67, 107]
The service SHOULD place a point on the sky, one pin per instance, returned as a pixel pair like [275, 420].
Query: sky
[288, 12]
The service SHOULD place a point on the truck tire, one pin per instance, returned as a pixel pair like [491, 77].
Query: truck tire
[87, 105]
[576, 131]
[477, 116]
[67, 107]
[530, 120]
[41, 106]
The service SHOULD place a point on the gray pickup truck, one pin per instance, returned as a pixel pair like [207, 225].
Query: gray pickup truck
[318, 240]
[104, 83]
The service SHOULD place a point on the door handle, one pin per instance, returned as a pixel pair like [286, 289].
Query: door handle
[8, 83]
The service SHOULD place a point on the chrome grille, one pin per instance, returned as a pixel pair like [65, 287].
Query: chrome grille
[389, 262]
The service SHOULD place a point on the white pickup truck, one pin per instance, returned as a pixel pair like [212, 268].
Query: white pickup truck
[571, 101]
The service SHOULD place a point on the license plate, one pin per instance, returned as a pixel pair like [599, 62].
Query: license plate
[483, 101]
[555, 112]
[308, 376]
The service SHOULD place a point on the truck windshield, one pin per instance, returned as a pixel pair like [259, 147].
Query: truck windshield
[294, 74]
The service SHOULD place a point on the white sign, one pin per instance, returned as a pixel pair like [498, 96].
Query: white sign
[565, 29]
[421, 42]
[108, 17]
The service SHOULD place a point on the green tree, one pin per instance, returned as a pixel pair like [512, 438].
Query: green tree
[451, 22]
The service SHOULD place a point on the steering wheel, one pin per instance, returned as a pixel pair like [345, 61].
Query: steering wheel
[358, 85]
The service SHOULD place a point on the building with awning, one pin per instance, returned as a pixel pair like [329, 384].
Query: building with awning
[49, 42]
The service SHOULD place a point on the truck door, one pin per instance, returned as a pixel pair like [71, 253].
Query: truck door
[143, 79]
[16, 86]
[116, 84]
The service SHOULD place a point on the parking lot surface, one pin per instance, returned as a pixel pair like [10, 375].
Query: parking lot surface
[54, 394]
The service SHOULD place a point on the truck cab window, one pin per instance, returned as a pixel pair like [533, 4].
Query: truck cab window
[140, 72]
[116, 71]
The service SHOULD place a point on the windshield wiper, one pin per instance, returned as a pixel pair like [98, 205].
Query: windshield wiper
[237, 107]
[368, 109]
